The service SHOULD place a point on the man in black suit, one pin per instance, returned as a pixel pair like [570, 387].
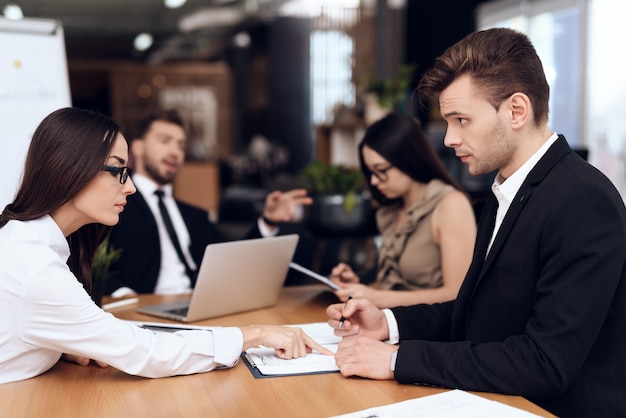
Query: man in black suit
[150, 261]
[541, 312]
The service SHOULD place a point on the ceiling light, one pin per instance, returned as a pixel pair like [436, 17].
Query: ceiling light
[13, 12]
[210, 17]
[242, 40]
[143, 41]
[174, 4]
[396, 4]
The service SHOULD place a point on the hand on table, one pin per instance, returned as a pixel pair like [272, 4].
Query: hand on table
[365, 357]
[83, 361]
[289, 342]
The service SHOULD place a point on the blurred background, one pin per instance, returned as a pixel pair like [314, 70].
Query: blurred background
[269, 86]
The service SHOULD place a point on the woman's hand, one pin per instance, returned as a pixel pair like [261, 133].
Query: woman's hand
[357, 291]
[342, 274]
[289, 342]
[83, 361]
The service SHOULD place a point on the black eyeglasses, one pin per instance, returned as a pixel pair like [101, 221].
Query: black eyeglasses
[123, 172]
[381, 173]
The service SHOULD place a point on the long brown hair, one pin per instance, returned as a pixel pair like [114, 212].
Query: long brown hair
[68, 149]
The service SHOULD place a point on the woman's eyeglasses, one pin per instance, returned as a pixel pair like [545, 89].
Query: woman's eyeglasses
[381, 173]
[123, 172]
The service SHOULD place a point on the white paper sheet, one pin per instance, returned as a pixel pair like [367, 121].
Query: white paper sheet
[450, 404]
[269, 364]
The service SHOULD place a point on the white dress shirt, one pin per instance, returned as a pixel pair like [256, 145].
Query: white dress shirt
[505, 191]
[172, 276]
[46, 312]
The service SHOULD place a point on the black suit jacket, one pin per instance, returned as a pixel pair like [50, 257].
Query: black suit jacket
[137, 235]
[542, 315]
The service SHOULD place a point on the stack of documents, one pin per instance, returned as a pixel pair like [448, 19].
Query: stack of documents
[264, 362]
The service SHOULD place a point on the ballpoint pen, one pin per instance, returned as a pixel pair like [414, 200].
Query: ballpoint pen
[341, 321]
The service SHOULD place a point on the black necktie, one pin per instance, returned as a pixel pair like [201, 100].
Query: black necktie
[172, 233]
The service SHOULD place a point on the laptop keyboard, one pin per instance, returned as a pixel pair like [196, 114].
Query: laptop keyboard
[179, 311]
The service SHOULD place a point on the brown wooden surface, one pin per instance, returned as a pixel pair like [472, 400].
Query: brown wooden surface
[70, 390]
[198, 184]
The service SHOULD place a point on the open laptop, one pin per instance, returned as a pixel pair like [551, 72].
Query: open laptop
[234, 277]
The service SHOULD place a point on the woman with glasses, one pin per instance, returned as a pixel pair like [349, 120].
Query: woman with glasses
[426, 222]
[74, 186]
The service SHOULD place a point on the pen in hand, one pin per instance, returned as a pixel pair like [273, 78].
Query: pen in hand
[341, 321]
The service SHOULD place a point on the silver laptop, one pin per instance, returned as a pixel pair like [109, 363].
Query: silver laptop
[234, 277]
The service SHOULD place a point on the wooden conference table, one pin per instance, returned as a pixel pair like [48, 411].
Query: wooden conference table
[69, 390]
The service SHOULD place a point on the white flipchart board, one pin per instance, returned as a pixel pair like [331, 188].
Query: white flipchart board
[34, 81]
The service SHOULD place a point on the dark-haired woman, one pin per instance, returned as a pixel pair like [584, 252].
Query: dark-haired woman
[426, 222]
[75, 183]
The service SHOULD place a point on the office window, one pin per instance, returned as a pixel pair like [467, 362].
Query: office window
[579, 42]
[554, 28]
[606, 112]
[332, 47]
[331, 73]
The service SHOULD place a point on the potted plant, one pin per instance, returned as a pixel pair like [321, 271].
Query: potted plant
[385, 95]
[104, 256]
[341, 204]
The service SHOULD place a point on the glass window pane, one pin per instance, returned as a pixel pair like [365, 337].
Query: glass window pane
[556, 37]
[331, 73]
[606, 130]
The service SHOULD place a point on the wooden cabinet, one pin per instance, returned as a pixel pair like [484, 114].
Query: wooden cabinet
[202, 93]
[198, 184]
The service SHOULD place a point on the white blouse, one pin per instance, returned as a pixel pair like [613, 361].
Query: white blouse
[45, 312]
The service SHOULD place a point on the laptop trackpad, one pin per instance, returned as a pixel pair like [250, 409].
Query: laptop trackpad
[176, 310]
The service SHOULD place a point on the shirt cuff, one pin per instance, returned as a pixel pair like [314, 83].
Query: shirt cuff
[394, 357]
[122, 291]
[228, 344]
[265, 231]
[392, 324]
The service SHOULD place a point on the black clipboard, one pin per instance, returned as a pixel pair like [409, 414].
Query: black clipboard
[258, 375]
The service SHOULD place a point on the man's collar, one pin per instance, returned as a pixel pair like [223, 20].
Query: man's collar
[146, 186]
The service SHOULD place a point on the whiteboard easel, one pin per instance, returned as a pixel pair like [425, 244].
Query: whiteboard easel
[34, 81]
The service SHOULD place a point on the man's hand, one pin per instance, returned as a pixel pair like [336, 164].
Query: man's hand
[365, 357]
[283, 206]
[360, 317]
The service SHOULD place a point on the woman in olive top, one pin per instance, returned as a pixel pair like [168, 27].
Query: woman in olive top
[426, 222]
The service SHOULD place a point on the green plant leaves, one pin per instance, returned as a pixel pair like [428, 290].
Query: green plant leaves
[320, 177]
[103, 258]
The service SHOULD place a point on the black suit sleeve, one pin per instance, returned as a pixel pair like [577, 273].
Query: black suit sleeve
[434, 323]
